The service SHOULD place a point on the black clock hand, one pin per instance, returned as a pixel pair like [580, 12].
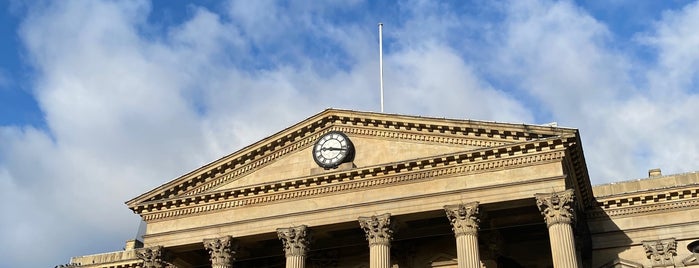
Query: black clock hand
[332, 149]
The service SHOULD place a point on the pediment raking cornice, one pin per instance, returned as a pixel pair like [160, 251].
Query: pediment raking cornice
[301, 135]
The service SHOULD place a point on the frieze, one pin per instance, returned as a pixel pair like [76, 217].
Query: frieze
[344, 181]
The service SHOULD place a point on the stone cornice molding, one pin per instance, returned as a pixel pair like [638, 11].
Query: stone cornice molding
[685, 197]
[373, 124]
[221, 251]
[378, 229]
[295, 240]
[376, 176]
[463, 218]
[557, 207]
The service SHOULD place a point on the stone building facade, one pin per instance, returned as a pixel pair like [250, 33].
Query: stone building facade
[359, 189]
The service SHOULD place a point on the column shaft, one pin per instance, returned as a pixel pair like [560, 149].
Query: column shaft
[380, 256]
[562, 245]
[295, 262]
[467, 251]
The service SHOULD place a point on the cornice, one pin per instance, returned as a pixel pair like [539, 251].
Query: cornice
[676, 198]
[471, 162]
[302, 134]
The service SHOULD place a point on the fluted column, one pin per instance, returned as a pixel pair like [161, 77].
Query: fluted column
[464, 222]
[295, 240]
[379, 234]
[558, 214]
[221, 251]
[153, 257]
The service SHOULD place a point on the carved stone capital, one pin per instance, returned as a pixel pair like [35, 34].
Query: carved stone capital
[377, 229]
[556, 207]
[153, 257]
[463, 218]
[295, 240]
[661, 252]
[221, 251]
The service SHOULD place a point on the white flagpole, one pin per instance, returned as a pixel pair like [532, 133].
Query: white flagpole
[381, 61]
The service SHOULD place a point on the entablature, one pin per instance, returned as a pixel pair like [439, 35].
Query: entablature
[648, 201]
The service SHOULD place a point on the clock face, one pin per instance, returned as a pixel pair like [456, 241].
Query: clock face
[333, 149]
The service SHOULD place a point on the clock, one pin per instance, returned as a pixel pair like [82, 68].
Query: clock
[333, 149]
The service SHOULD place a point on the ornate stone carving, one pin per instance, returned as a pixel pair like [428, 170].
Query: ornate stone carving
[153, 257]
[377, 229]
[295, 240]
[556, 207]
[221, 251]
[662, 252]
[463, 218]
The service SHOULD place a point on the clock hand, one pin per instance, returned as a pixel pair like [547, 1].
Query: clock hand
[332, 149]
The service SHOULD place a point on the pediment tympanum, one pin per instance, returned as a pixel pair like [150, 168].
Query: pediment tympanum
[385, 145]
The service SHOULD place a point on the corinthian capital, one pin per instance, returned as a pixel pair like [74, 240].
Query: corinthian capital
[153, 257]
[556, 207]
[463, 218]
[661, 252]
[295, 240]
[377, 229]
[221, 251]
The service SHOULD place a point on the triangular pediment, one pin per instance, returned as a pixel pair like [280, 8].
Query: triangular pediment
[378, 138]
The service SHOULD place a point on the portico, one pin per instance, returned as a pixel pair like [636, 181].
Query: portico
[400, 177]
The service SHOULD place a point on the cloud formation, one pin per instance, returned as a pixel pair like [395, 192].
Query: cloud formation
[129, 106]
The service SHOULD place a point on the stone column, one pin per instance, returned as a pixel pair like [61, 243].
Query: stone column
[221, 251]
[558, 214]
[295, 240]
[153, 257]
[464, 222]
[379, 234]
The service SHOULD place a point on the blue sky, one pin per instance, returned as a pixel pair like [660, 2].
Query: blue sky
[103, 100]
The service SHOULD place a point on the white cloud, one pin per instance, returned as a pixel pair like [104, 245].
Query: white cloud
[127, 111]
